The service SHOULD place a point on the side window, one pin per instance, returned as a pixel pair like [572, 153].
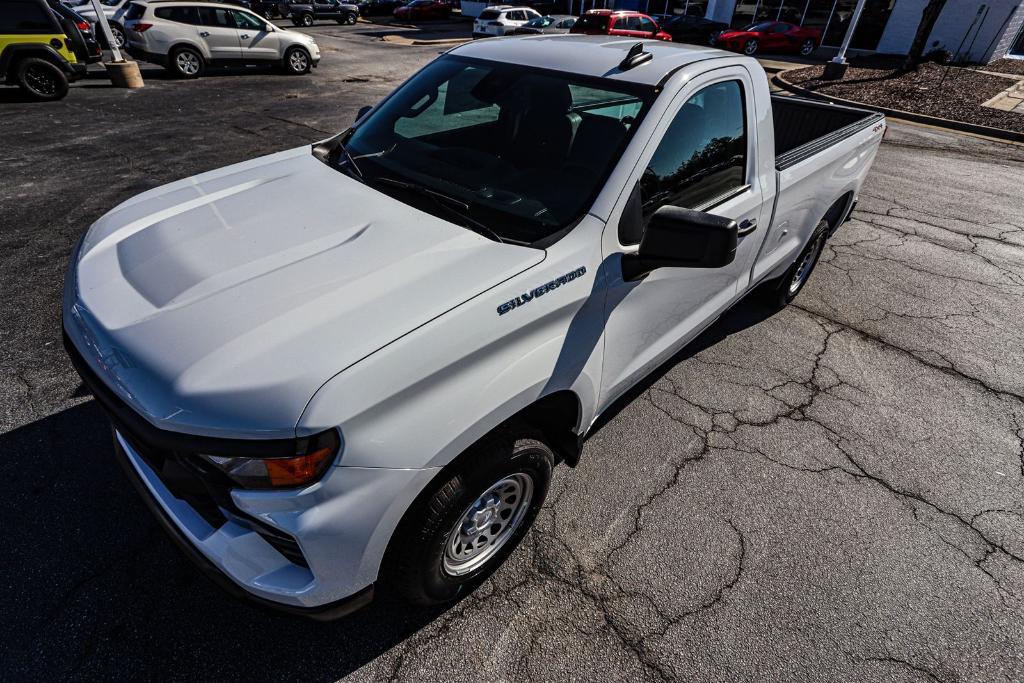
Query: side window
[216, 17]
[646, 25]
[633, 23]
[182, 15]
[244, 20]
[19, 16]
[703, 154]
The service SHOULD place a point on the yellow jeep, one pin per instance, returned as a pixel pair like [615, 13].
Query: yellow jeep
[35, 52]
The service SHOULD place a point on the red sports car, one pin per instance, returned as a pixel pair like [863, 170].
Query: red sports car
[419, 10]
[770, 36]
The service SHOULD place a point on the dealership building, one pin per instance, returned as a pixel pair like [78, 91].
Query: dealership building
[974, 31]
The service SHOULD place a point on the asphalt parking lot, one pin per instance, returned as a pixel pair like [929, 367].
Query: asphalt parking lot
[831, 492]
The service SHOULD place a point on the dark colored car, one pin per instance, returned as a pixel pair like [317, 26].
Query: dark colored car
[692, 30]
[557, 23]
[370, 8]
[304, 14]
[79, 31]
[770, 36]
[606, 22]
[423, 10]
[36, 51]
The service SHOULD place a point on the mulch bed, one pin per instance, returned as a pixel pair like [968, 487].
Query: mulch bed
[1005, 66]
[959, 98]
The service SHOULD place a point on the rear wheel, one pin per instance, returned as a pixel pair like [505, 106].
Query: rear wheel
[750, 47]
[807, 47]
[297, 61]
[41, 79]
[118, 34]
[186, 62]
[306, 20]
[782, 291]
[450, 541]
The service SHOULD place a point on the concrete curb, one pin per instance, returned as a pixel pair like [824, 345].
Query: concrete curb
[402, 40]
[960, 126]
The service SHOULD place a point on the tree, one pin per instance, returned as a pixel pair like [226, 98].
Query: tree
[929, 15]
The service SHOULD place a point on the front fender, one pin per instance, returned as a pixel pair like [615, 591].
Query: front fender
[423, 399]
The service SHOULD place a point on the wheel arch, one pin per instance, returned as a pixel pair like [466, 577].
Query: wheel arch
[12, 53]
[177, 45]
[839, 212]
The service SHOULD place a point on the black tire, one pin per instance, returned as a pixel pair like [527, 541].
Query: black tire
[186, 62]
[297, 61]
[350, 19]
[306, 20]
[41, 79]
[781, 291]
[416, 565]
[751, 47]
[807, 47]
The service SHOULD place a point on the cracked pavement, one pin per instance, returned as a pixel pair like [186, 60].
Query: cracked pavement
[831, 492]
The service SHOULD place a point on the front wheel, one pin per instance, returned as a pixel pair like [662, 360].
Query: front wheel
[782, 291]
[452, 539]
[41, 79]
[750, 47]
[807, 47]
[297, 61]
[306, 20]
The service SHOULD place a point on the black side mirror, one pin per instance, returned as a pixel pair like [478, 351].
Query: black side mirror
[682, 238]
[363, 111]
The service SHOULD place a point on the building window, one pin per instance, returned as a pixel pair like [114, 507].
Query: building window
[830, 17]
[1017, 49]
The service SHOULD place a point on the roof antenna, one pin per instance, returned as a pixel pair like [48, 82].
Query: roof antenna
[635, 57]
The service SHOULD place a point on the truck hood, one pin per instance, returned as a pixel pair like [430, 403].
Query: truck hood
[219, 304]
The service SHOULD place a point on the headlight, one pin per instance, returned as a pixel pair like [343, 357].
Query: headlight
[312, 457]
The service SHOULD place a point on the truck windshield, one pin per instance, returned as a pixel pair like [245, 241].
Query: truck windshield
[521, 150]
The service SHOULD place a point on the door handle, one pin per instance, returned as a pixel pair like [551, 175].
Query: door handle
[204, 33]
[746, 227]
[244, 36]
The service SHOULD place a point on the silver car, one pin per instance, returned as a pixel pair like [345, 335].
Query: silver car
[186, 37]
[549, 23]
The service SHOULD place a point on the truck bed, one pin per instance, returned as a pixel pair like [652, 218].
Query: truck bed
[805, 127]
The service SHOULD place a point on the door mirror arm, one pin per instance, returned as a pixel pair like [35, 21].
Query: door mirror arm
[682, 238]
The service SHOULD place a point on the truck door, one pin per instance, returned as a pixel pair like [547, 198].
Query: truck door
[702, 156]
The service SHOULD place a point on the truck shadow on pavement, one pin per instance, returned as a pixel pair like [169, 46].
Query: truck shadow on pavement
[100, 591]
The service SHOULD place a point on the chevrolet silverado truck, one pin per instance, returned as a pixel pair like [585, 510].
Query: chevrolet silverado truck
[352, 366]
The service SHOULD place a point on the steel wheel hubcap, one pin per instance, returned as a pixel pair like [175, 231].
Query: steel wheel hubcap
[488, 524]
[188, 63]
[804, 269]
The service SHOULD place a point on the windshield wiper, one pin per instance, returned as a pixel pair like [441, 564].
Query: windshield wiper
[454, 206]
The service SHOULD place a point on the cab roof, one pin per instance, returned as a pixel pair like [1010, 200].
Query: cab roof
[597, 56]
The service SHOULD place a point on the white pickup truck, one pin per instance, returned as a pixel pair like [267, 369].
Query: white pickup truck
[354, 365]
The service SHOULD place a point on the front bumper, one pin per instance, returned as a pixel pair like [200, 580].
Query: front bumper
[313, 551]
[134, 466]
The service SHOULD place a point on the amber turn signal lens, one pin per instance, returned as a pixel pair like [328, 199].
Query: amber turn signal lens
[299, 470]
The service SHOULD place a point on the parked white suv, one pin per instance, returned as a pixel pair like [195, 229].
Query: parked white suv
[502, 20]
[186, 37]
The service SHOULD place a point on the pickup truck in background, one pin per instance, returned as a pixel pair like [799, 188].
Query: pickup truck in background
[352, 367]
